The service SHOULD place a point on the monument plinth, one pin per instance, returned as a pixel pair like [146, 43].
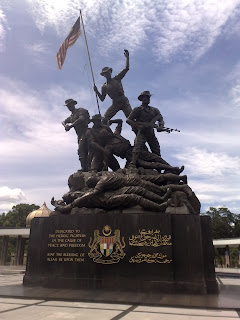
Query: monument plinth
[141, 252]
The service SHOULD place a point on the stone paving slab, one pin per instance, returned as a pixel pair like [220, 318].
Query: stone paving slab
[30, 303]
[11, 286]
[159, 316]
[58, 313]
[190, 311]
[86, 305]
[24, 309]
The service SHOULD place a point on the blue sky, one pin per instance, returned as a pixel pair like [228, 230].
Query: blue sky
[185, 52]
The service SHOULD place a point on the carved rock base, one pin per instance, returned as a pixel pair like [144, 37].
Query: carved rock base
[132, 251]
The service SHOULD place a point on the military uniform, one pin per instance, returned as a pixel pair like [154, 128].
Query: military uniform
[82, 116]
[143, 115]
[119, 102]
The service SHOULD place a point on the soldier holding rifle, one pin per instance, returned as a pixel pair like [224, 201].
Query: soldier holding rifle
[142, 120]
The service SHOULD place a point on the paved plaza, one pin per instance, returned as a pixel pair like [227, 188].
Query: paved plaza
[21, 303]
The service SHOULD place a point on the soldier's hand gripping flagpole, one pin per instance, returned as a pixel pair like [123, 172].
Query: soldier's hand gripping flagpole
[89, 60]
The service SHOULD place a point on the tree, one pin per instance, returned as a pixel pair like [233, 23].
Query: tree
[225, 224]
[17, 216]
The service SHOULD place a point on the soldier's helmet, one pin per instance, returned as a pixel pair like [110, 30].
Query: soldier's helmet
[105, 70]
[96, 117]
[144, 93]
[68, 101]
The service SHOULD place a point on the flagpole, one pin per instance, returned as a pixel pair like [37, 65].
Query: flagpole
[89, 59]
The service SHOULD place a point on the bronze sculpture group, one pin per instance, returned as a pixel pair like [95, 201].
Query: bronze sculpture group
[147, 180]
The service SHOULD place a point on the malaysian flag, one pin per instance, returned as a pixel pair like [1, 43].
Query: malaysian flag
[68, 42]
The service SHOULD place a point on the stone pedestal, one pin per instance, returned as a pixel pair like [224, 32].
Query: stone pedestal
[141, 252]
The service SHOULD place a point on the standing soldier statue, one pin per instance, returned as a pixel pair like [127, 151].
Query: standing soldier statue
[113, 87]
[79, 120]
[142, 120]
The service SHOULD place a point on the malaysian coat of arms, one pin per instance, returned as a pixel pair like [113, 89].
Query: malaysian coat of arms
[106, 248]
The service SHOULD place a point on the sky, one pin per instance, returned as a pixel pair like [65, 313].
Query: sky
[185, 52]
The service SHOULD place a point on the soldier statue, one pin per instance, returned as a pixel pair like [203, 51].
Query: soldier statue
[97, 138]
[114, 89]
[142, 120]
[79, 120]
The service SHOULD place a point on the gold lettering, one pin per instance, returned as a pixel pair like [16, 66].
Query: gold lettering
[79, 259]
[150, 238]
[156, 257]
[52, 259]
[50, 254]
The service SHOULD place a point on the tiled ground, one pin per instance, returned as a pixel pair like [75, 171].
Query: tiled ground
[24, 308]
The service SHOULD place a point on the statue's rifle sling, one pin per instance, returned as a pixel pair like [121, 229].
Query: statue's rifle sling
[89, 59]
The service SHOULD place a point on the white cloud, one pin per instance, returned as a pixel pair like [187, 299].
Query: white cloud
[54, 13]
[186, 27]
[5, 207]
[236, 95]
[31, 118]
[37, 48]
[9, 198]
[217, 193]
[191, 27]
[202, 162]
[13, 195]
[213, 176]
[3, 26]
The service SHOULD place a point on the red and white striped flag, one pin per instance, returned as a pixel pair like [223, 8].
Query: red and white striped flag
[68, 42]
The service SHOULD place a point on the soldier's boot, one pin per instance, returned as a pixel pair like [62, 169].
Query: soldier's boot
[134, 159]
[84, 163]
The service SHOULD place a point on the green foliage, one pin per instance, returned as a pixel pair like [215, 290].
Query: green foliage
[17, 216]
[225, 224]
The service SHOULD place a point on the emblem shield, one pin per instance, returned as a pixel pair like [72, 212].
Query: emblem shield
[106, 245]
[111, 246]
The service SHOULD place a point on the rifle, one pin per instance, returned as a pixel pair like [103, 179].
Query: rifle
[152, 124]
[168, 130]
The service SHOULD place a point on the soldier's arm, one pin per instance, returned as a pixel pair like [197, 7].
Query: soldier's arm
[122, 73]
[80, 201]
[159, 119]
[118, 128]
[131, 120]
[81, 118]
[65, 124]
[102, 95]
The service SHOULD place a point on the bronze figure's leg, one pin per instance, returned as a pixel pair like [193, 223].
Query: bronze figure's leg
[113, 163]
[154, 144]
[127, 109]
[83, 154]
[139, 143]
[97, 162]
[110, 112]
[146, 193]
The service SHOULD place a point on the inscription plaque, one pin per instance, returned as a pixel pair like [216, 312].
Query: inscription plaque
[134, 252]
